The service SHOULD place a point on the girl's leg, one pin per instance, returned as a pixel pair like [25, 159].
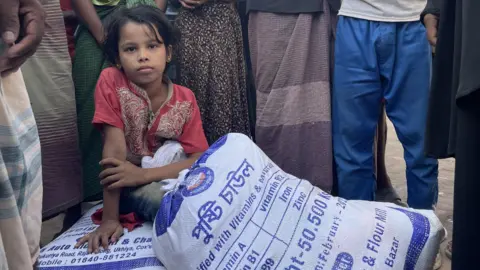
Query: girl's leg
[143, 201]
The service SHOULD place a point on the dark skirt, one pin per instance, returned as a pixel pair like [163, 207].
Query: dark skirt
[211, 63]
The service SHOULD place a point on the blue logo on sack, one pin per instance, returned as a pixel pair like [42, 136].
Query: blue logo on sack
[197, 181]
[344, 261]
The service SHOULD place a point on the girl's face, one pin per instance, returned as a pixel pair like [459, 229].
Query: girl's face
[141, 55]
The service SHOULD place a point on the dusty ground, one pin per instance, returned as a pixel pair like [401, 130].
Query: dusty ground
[396, 170]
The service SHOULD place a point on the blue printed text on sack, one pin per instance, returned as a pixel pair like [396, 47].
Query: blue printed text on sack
[211, 211]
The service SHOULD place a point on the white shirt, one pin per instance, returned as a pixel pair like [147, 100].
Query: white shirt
[383, 10]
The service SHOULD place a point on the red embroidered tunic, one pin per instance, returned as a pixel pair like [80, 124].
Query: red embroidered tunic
[122, 104]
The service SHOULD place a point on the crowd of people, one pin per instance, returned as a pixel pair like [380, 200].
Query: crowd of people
[107, 82]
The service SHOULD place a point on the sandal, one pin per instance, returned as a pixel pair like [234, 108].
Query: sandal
[389, 195]
[438, 262]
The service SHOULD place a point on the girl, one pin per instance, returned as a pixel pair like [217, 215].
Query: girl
[88, 64]
[137, 108]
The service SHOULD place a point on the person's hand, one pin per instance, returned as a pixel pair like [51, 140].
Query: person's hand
[121, 174]
[108, 232]
[9, 23]
[33, 19]
[191, 4]
[100, 38]
[431, 24]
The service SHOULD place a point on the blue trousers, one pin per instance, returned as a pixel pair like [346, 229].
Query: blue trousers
[375, 61]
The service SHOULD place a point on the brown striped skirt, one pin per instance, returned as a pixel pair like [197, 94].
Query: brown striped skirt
[48, 77]
[291, 64]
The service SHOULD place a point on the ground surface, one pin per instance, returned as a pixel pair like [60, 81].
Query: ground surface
[396, 170]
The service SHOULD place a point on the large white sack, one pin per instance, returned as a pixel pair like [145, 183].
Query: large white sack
[132, 251]
[237, 210]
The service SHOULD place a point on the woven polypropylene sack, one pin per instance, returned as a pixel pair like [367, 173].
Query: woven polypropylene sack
[235, 209]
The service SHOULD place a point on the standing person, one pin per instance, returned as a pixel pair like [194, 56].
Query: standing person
[21, 173]
[382, 52]
[211, 63]
[453, 125]
[291, 45]
[48, 78]
[89, 61]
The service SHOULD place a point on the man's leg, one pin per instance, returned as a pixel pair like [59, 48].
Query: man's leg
[355, 107]
[385, 191]
[407, 101]
[383, 180]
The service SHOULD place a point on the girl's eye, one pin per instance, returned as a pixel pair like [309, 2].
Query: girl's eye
[153, 46]
[130, 49]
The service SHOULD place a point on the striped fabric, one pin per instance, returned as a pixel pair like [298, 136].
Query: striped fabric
[20, 177]
[48, 78]
[290, 56]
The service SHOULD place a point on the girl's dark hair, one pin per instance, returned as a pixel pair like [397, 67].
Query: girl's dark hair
[150, 16]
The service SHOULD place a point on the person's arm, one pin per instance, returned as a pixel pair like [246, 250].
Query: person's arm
[161, 4]
[88, 16]
[110, 229]
[430, 19]
[193, 142]
[114, 147]
[125, 174]
[108, 119]
[432, 8]
[171, 170]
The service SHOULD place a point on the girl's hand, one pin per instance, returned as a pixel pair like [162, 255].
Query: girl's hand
[121, 174]
[109, 230]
